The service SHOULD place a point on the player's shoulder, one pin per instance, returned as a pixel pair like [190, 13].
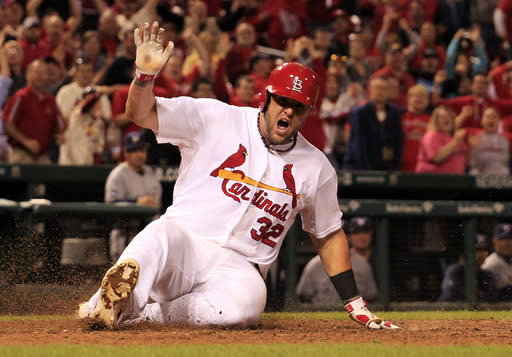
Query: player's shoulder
[214, 106]
[233, 113]
[215, 103]
[308, 152]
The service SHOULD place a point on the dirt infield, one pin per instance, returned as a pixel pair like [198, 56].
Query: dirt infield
[276, 331]
[61, 328]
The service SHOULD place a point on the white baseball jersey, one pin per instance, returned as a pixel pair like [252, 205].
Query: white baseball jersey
[234, 200]
[234, 191]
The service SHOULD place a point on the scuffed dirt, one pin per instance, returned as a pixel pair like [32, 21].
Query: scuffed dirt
[60, 327]
[431, 333]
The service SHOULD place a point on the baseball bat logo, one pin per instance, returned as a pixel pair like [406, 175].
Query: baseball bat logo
[229, 172]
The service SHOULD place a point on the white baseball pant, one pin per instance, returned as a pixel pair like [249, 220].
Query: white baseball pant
[191, 280]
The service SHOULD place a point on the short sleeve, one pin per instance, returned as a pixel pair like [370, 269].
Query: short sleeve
[322, 214]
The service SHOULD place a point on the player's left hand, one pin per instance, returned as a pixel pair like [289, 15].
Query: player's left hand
[358, 312]
[151, 55]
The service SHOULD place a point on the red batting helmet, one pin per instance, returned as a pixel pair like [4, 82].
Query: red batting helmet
[291, 80]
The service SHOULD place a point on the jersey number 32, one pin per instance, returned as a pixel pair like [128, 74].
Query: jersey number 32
[267, 231]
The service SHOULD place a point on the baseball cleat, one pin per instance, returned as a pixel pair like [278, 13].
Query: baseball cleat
[116, 286]
[83, 310]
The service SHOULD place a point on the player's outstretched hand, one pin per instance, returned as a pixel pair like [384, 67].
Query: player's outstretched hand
[358, 312]
[151, 55]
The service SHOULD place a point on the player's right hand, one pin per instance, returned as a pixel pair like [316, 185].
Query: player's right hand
[151, 55]
[358, 312]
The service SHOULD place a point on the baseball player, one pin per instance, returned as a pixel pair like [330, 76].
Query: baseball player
[244, 176]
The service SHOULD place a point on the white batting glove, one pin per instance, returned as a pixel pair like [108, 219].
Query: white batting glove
[151, 56]
[358, 312]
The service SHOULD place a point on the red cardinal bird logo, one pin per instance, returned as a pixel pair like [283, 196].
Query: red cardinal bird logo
[235, 160]
[290, 182]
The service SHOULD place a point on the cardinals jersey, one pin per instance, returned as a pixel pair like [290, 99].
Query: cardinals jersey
[234, 191]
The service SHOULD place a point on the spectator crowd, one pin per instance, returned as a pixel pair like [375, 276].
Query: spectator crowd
[407, 85]
[410, 85]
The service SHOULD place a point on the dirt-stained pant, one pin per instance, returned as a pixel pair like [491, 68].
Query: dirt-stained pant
[191, 280]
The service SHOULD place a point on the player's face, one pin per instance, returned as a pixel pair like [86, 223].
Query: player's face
[283, 119]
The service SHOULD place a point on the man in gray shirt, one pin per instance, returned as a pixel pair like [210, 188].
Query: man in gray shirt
[314, 285]
[499, 262]
[131, 181]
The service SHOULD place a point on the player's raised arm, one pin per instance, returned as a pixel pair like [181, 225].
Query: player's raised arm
[150, 59]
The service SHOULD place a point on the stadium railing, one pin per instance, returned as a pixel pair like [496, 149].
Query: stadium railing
[382, 195]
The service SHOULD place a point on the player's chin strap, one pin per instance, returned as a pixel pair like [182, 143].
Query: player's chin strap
[278, 148]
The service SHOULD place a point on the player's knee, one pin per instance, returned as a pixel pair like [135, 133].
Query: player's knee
[244, 309]
[237, 316]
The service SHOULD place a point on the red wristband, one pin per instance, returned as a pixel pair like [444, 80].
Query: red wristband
[144, 77]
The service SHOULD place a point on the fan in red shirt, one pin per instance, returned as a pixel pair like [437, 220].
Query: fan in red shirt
[260, 65]
[503, 20]
[172, 71]
[428, 41]
[245, 95]
[478, 101]
[119, 106]
[31, 118]
[53, 44]
[342, 27]
[394, 68]
[429, 8]
[237, 59]
[109, 30]
[501, 80]
[285, 19]
[30, 41]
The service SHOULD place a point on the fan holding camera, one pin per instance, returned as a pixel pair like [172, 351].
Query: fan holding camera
[465, 57]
